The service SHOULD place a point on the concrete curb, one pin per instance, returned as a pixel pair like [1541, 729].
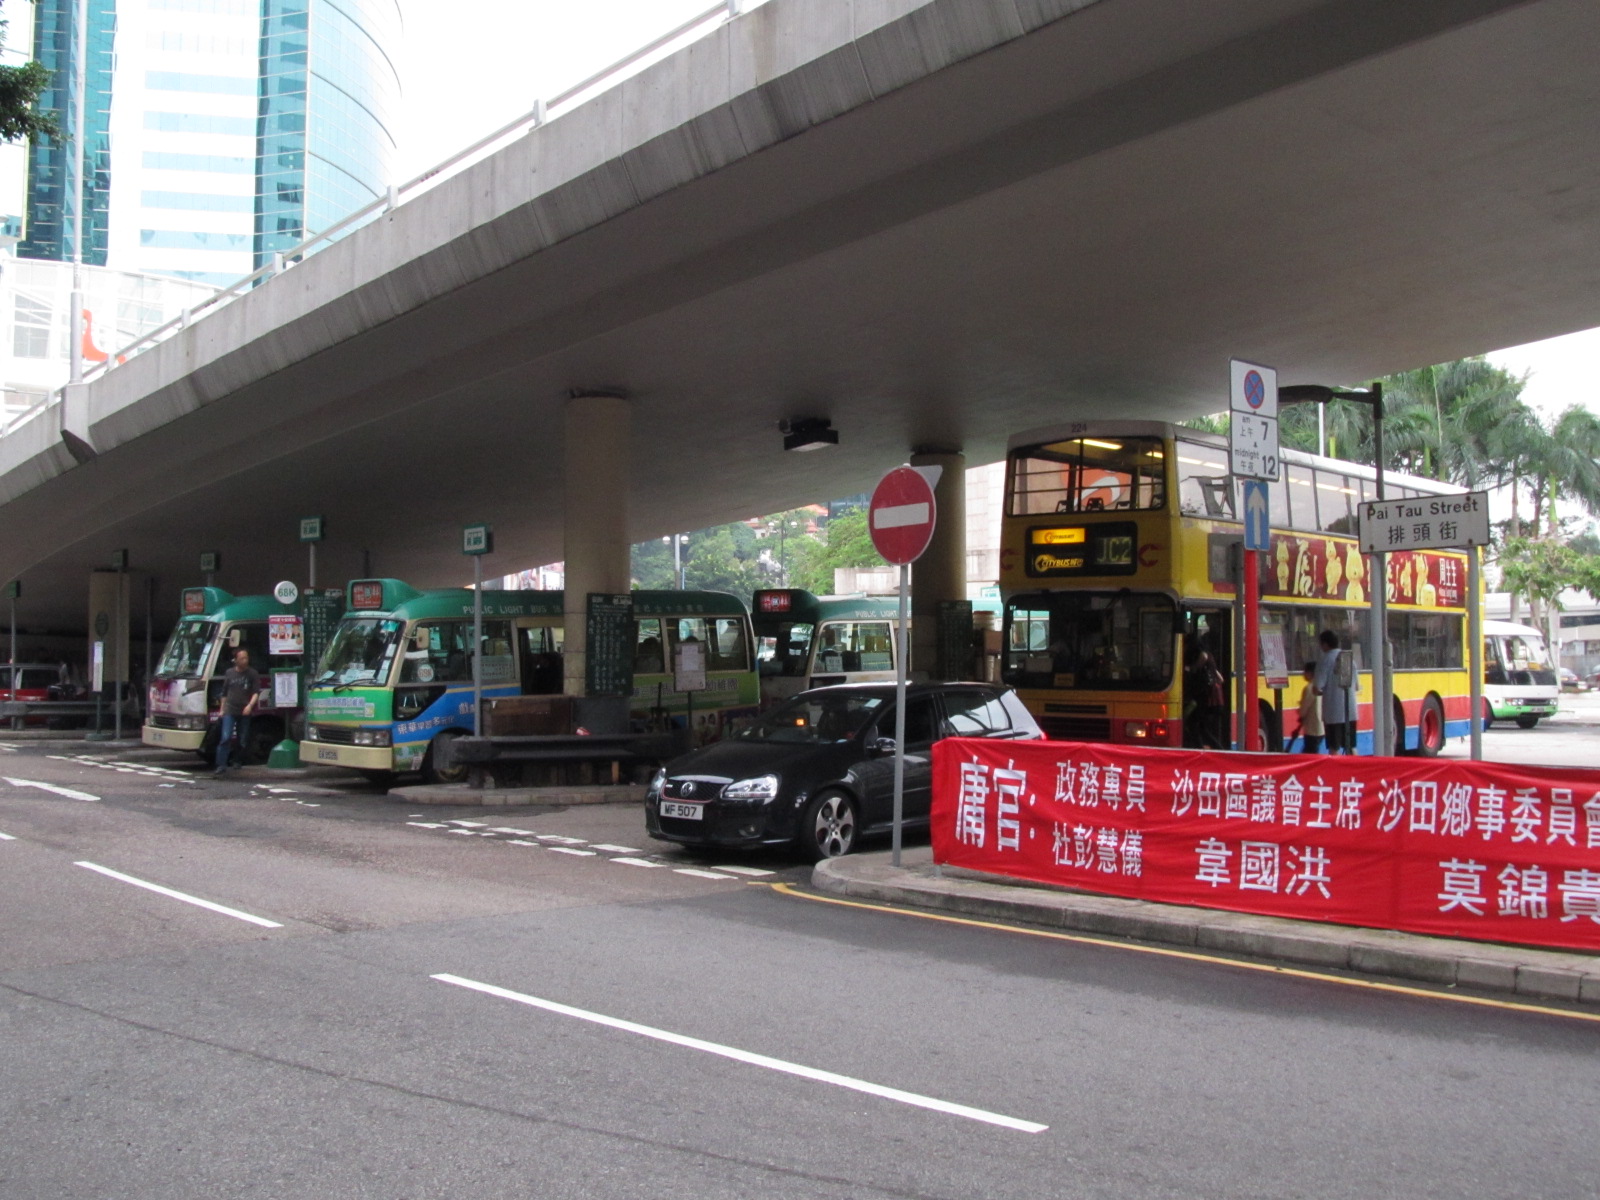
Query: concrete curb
[554, 797]
[1512, 970]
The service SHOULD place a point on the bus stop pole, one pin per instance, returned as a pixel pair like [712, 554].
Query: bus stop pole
[1249, 587]
[901, 641]
[1475, 651]
[477, 645]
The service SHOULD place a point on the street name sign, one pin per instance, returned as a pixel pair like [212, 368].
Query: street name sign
[1425, 523]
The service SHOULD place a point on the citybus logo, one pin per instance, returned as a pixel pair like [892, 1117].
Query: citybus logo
[1055, 562]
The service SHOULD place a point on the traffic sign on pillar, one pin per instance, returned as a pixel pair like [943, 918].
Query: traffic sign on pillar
[902, 515]
[1257, 520]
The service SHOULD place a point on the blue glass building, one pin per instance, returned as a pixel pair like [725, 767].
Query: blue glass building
[237, 128]
[56, 208]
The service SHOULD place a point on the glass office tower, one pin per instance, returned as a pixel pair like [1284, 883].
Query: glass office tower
[237, 128]
[58, 206]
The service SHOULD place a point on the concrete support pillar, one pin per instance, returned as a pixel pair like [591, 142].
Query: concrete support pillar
[941, 573]
[595, 490]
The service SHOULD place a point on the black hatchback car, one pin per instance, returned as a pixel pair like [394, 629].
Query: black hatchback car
[817, 772]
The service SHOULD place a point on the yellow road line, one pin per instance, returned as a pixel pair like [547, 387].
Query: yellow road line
[788, 889]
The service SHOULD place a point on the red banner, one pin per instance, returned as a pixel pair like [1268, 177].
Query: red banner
[1462, 849]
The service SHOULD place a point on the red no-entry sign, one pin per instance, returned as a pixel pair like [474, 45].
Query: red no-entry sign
[901, 516]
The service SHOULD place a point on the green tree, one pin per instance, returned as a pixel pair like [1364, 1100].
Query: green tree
[716, 562]
[20, 89]
[848, 544]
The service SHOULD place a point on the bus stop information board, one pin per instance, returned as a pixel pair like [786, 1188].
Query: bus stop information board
[321, 611]
[608, 632]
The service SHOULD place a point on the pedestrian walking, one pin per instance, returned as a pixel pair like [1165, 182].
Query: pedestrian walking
[241, 691]
[1334, 683]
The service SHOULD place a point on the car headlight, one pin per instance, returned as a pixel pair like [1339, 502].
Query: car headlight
[193, 724]
[371, 737]
[762, 787]
[657, 781]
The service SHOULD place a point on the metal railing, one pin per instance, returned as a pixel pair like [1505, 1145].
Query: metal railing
[724, 10]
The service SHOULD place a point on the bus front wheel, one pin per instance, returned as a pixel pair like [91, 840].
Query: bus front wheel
[1527, 722]
[438, 753]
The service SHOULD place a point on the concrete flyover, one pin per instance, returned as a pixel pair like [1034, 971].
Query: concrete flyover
[934, 221]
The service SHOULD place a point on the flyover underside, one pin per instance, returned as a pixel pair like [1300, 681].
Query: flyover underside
[1086, 220]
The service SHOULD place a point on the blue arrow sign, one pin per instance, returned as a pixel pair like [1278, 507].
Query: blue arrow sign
[1257, 526]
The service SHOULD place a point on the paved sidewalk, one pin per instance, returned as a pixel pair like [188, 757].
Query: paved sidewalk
[1480, 966]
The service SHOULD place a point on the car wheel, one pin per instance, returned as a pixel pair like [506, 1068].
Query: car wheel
[432, 771]
[828, 828]
[1430, 728]
[1527, 722]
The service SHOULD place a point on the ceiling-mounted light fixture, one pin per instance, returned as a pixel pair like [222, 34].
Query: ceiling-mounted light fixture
[808, 433]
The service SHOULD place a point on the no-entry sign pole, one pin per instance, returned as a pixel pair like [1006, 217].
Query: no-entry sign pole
[901, 518]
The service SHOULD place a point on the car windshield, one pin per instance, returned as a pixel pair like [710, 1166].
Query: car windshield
[813, 718]
[187, 648]
[361, 651]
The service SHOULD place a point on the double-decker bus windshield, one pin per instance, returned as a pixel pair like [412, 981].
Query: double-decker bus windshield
[1090, 640]
[187, 648]
[361, 651]
[1089, 474]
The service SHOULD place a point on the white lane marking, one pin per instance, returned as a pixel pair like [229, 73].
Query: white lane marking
[428, 824]
[521, 842]
[187, 899]
[616, 849]
[470, 824]
[699, 874]
[464, 832]
[556, 837]
[6, 837]
[570, 850]
[756, 871]
[897, 516]
[50, 787]
[746, 1056]
[518, 832]
[635, 862]
[281, 791]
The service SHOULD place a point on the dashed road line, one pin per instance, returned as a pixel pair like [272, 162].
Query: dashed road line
[756, 872]
[699, 874]
[6, 837]
[637, 862]
[616, 849]
[184, 896]
[571, 850]
[752, 1059]
[69, 793]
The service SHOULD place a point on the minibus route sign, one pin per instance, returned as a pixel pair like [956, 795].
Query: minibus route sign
[477, 539]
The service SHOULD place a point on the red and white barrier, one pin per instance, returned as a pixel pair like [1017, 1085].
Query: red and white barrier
[1463, 849]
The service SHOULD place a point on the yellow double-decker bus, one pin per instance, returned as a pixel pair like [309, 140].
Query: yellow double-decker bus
[1118, 564]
